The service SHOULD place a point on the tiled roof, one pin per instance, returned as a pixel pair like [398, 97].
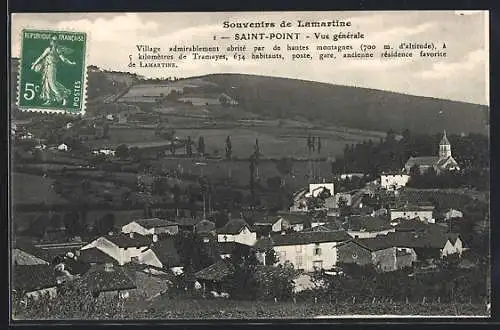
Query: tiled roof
[28, 247]
[233, 227]
[368, 223]
[216, 272]
[98, 279]
[422, 161]
[229, 247]
[166, 252]
[125, 241]
[19, 257]
[417, 225]
[187, 221]
[411, 208]
[443, 161]
[204, 226]
[154, 223]
[429, 240]
[300, 238]
[295, 218]
[94, 255]
[34, 277]
[265, 243]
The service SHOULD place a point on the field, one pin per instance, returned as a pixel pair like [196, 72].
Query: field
[228, 309]
[33, 189]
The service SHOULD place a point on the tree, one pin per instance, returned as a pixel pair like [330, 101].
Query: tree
[172, 146]
[274, 183]
[309, 143]
[272, 257]
[105, 225]
[313, 143]
[122, 151]
[38, 227]
[284, 167]
[229, 147]
[201, 145]
[189, 146]
[319, 145]
[72, 224]
[252, 176]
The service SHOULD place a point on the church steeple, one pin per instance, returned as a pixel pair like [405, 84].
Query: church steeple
[444, 147]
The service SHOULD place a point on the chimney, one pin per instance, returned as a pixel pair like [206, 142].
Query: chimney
[108, 267]
[131, 234]
[155, 238]
[110, 233]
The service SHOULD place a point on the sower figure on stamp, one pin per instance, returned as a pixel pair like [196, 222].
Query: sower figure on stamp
[51, 90]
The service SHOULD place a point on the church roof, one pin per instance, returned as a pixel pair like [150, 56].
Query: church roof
[444, 140]
[422, 161]
[447, 162]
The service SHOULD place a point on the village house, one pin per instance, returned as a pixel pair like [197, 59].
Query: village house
[106, 152]
[316, 189]
[393, 181]
[226, 249]
[186, 224]
[63, 147]
[151, 226]
[22, 258]
[261, 248]
[452, 213]
[423, 212]
[110, 281]
[290, 221]
[309, 251]
[161, 254]
[378, 252]
[34, 280]
[349, 176]
[215, 277]
[441, 163]
[237, 230]
[121, 247]
[428, 244]
[362, 226]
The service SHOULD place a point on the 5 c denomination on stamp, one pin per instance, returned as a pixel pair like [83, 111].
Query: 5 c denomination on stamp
[52, 74]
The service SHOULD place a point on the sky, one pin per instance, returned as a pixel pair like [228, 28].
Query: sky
[462, 76]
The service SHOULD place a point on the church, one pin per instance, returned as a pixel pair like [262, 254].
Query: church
[443, 162]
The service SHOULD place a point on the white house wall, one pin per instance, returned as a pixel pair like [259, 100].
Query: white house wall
[134, 227]
[369, 234]
[244, 237]
[51, 292]
[302, 256]
[394, 181]
[149, 258]
[422, 214]
[277, 226]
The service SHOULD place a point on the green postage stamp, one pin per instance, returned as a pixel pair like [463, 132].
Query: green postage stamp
[52, 73]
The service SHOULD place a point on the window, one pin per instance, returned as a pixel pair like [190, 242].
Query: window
[317, 250]
[354, 255]
[134, 259]
[298, 248]
[318, 265]
[298, 261]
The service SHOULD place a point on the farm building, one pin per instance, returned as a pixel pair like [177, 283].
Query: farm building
[237, 230]
[393, 181]
[151, 226]
[309, 250]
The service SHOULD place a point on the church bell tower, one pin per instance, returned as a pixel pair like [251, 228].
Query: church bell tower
[444, 147]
